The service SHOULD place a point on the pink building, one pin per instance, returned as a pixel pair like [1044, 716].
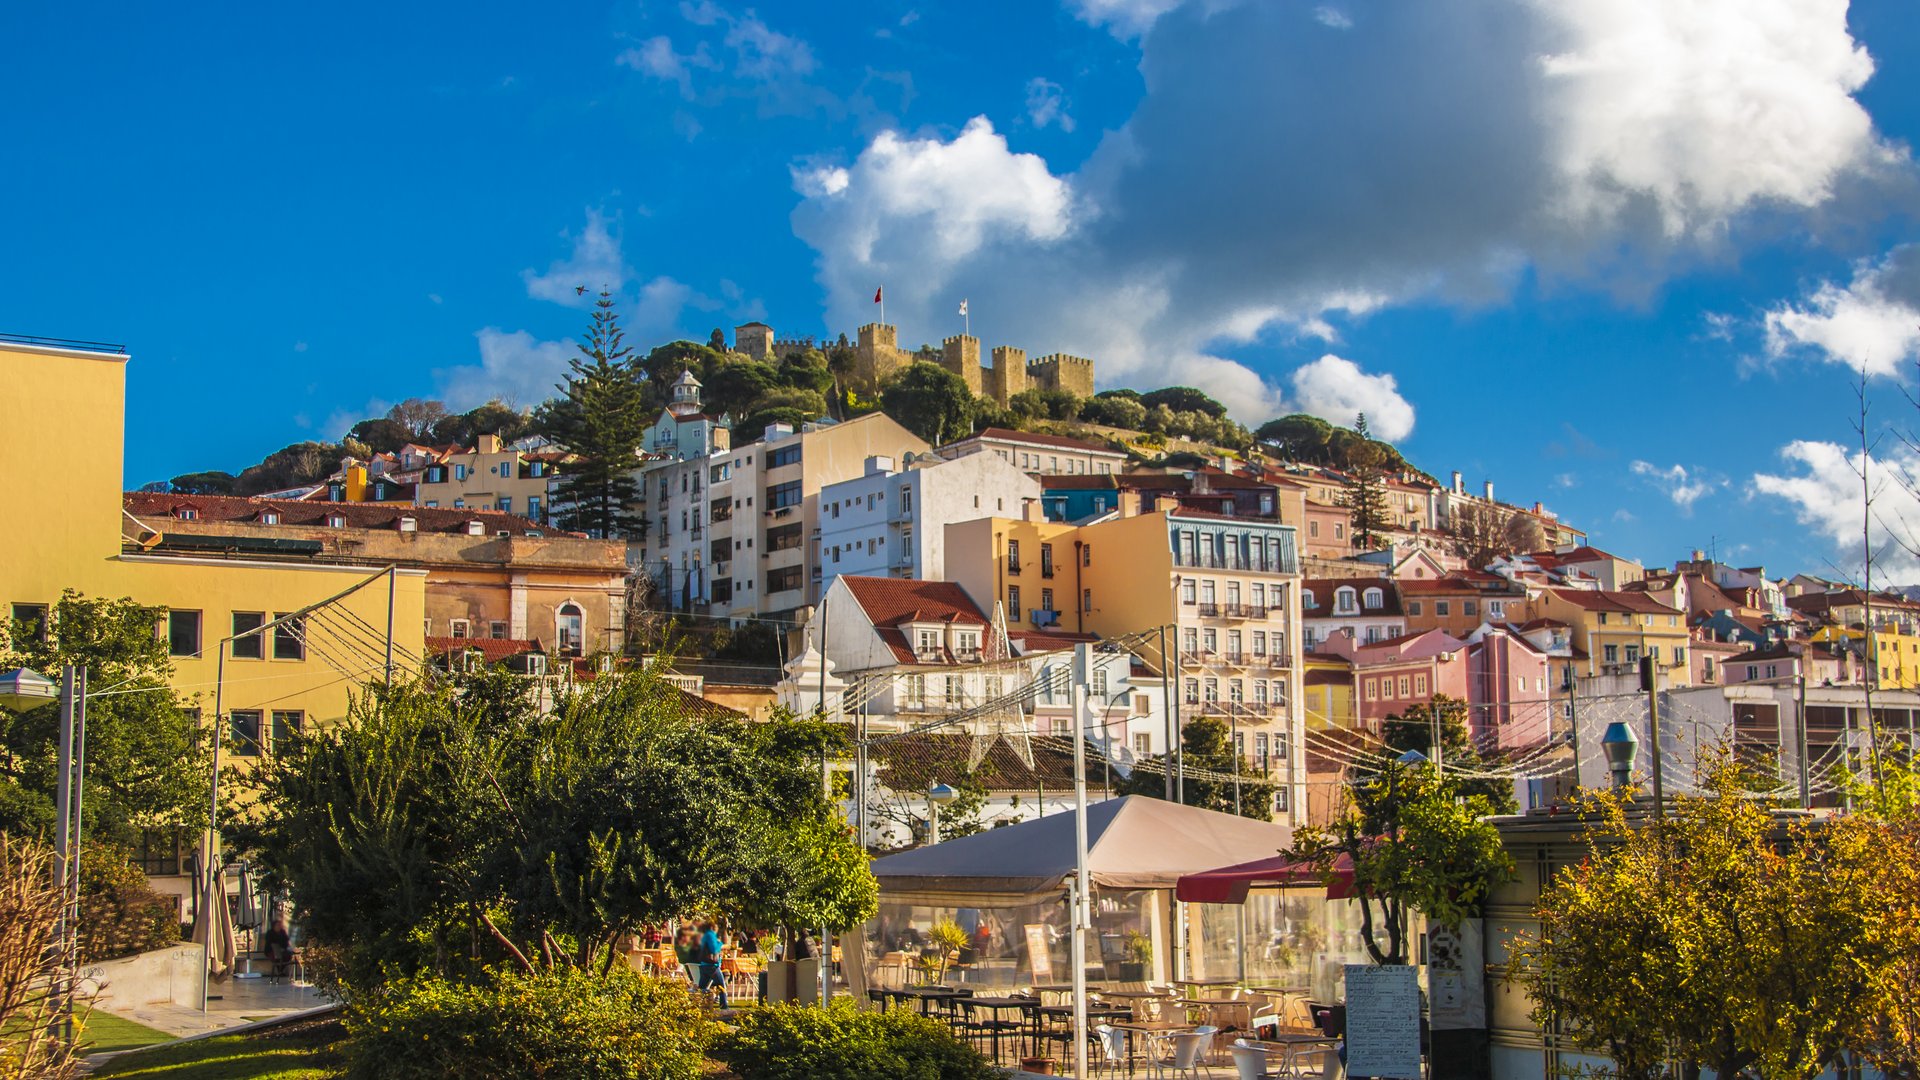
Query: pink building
[1510, 689]
[1391, 676]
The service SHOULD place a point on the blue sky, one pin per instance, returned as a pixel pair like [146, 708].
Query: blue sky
[1617, 258]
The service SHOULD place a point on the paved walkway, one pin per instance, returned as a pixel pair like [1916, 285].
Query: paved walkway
[232, 1002]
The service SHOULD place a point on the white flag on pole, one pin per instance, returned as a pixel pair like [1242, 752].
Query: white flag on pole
[963, 307]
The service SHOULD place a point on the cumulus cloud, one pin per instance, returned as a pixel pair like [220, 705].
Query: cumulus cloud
[1047, 104]
[739, 55]
[514, 366]
[1336, 390]
[593, 263]
[1332, 17]
[1677, 483]
[1427, 152]
[656, 57]
[1822, 489]
[1873, 322]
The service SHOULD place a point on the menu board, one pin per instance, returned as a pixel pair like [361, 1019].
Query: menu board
[1037, 955]
[1383, 1021]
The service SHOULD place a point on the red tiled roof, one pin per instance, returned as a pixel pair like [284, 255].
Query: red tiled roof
[1603, 600]
[492, 650]
[892, 602]
[230, 508]
[1323, 590]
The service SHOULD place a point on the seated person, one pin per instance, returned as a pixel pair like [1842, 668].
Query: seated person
[277, 944]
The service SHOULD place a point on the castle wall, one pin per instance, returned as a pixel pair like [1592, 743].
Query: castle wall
[960, 354]
[1008, 376]
[877, 356]
[1058, 371]
[753, 339]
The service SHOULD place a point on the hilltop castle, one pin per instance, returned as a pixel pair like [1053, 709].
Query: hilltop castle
[877, 355]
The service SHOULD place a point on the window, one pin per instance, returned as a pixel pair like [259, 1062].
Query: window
[1496, 609]
[497, 630]
[1046, 560]
[926, 642]
[159, 853]
[183, 633]
[1190, 640]
[459, 628]
[1210, 640]
[1100, 682]
[1013, 601]
[1260, 744]
[1086, 555]
[569, 628]
[1191, 692]
[1013, 556]
[784, 455]
[916, 691]
[1313, 530]
[245, 732]
[784, 579]
[1420, 686]
[1343, 601]
[1633, 654]
[252, 646]
[1210, 688]
[1373, 689]
[286, 724]
[782, 496]
[30, 622]
[1308, 600]
[1680, 657]
[1142, 744]
[1374, 599]
[1259, 643]
[289, 638]
[1086, 599]
[1188, 590]
[1753, 671]
[1404, 687]
[1470, 607]
[1046, 600]
[784, 538]
[1442, 608]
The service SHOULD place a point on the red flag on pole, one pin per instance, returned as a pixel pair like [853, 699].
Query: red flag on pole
[876, 294]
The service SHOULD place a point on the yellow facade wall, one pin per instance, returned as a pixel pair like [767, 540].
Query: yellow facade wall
[70, 411]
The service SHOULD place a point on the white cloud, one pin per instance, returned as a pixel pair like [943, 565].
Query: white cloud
[747, 58]
[1603, 144]
[1719, 326]
[1329, 16]
[1336, 390]
[656, 57]
[1873, 322]
[593, 264]
[514, 367]
[1682, 487]
[1824, 492]
[1047, 104]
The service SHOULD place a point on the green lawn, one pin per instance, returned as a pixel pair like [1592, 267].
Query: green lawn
[306, 1056]
[104, 1031]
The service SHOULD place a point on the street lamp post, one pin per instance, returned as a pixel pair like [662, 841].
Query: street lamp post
[21, 690]
[938, 796]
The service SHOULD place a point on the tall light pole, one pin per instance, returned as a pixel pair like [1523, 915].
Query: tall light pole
[21, 690]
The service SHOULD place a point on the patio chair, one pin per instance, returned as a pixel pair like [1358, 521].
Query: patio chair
[1112, 1044]
[1183, 1051]
[1249, 1062]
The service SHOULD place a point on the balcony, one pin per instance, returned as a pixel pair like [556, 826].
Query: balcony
[1236, 659]
[1209, 609]
[1013, 566]
[1046, 569]
[1256, 611]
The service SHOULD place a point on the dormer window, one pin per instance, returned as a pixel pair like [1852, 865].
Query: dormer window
[1374, 599]
[336, 521]
[186, 513]
[966, 644]
[408, 524]
[1308, 600]
[926, 642]
[1344, 601]
[476, 528]
[269, 517]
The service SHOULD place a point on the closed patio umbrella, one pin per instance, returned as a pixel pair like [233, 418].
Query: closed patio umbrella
[213, 924]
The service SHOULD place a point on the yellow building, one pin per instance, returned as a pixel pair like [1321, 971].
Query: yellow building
[1616, 629]
[1226, 589]
[1896, 651]
[73, 397]
[490, 476]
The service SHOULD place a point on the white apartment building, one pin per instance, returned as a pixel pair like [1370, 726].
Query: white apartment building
[1042, 454]
[892, 522]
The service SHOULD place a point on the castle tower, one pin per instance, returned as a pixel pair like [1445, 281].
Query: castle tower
[686, 395]
[754, 339]
[960, 354]
[876, 356]
[1009, 374]
[1058, 371]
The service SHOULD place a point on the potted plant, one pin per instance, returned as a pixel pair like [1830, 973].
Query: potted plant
[946, 939]
[1139, 961]
[1038, 1065]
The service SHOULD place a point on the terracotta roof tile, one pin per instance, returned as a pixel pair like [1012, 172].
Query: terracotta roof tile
[146, 505]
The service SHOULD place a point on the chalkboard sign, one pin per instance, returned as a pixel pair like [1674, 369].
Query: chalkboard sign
[1037, 955]
[1383, 1021]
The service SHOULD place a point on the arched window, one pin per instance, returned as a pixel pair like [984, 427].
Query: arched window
[1307, 599]
[1344, 599]
[569, 629]
[1374, 599]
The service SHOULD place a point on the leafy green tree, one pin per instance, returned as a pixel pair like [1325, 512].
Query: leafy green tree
[1726, 937]
[291, 466]
[1116, 411]
[602, 419]
[495, 417]
[988, 413]
[1207, 755]
[1415, 841]
[929, 401]
[1183, 399]
[203, 483]
[1413, 729]
[146, 767]
[1119, 392]
[754, 425]
[807, 371]
[418, 416]
[1043, 404]
[733, 388]
[664, 363]
[383, 434]
[1364, 496]
[1298, 437]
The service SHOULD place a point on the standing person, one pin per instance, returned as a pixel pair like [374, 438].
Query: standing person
[710, 950]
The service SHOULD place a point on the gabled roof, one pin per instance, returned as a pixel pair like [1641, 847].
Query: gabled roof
[893, 603]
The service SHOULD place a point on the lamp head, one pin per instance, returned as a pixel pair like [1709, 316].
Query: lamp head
[941, 794]
[1621, 746]
[22, 689]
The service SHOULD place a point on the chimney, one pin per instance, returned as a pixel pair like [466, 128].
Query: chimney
[489, 444]
[1699, 556]
[1489, 491]
[1539, 508]
[1458, 487]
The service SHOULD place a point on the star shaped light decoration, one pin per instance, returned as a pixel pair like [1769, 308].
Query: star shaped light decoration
[1002, 718]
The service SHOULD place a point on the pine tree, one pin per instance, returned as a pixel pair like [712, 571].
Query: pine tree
[601, 418]
[1365, 496]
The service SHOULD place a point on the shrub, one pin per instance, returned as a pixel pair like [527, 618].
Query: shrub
[799, 1042]
[124, 915]
[559, 1023]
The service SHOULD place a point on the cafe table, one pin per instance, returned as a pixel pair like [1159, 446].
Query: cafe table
[927, 995]
[1289, 1045]
[997, 1005]
[1149, 1030]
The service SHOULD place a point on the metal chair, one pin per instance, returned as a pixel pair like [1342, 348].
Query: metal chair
[1184, 1050]
[1112, 1044]
[1250, 1062]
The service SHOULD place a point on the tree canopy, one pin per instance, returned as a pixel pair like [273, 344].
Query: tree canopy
[929, 401]
[1413, 729]
[601, 417]
[1210, 763]
[1183, 399]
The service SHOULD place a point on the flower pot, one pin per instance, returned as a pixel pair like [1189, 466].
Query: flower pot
[1041, 1066]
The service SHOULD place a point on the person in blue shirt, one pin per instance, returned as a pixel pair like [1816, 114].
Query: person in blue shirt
[709, 952]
